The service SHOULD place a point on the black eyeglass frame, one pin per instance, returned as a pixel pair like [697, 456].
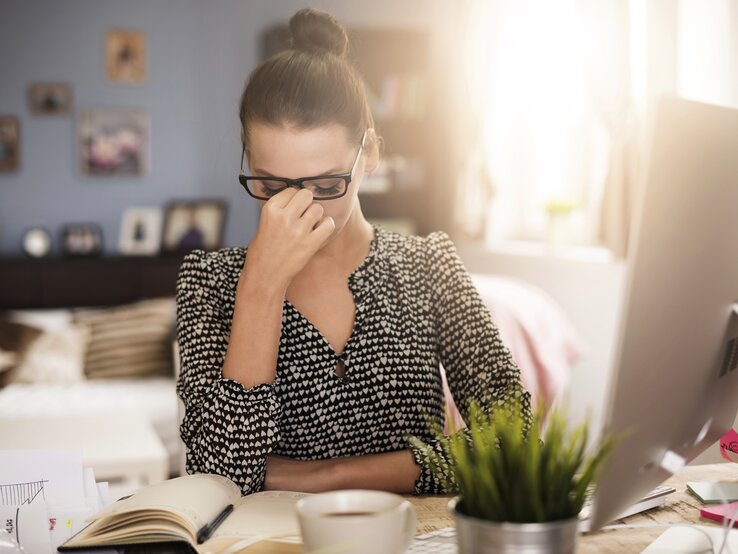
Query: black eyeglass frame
[299, 183]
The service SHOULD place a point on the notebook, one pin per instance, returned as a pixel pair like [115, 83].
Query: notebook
[169, 515]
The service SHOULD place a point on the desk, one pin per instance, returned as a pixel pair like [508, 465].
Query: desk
[680, 507]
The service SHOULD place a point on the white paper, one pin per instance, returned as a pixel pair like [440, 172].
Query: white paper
[66, 520]
[92, 495]
[104, 493]
[89, 482]
[51, 475]
[29, 525]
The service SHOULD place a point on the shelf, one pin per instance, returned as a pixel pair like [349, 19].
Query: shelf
[61, 282]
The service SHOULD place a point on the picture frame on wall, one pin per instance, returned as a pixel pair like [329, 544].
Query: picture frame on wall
[81, 239]
[125, 56]
[114, 142]
[192, 224]
[9, 143]
[140, 231]
[50, 98]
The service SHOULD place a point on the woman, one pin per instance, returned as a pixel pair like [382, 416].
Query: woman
[308, 358]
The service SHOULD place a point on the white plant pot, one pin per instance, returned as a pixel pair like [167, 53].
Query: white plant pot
[479, 536]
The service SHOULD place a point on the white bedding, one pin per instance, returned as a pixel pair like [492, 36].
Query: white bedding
[155, 398]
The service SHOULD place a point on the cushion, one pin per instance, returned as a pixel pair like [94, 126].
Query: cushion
[131, 340]
[8, 360]
[54, 354]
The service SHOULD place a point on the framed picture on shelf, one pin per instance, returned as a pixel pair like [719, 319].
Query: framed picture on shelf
[114, 142]
[191, 224]
[125, 56]
[50, 98]
[140, 231]
[81, 239]
[9, 143]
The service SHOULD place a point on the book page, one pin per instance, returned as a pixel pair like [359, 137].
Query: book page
[267, 513]
[201, 497]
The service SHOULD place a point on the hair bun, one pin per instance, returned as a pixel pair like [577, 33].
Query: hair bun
[318, 32]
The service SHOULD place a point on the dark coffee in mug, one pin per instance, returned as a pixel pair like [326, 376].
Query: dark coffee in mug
[331, 514]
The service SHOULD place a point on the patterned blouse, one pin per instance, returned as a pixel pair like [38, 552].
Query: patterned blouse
[416, 307]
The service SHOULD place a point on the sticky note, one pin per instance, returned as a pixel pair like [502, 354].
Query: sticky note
[729, 446]
[714, 493]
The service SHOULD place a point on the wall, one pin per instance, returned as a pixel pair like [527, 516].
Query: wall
[199, 56]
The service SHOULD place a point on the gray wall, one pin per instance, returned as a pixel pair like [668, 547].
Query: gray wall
[199, 56]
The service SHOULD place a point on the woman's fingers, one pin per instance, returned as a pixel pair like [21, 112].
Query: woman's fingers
[311, 216]
[323, 230]
[298, 204]
[282, 198]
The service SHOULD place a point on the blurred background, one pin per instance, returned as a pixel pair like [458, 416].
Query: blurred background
[517, 126]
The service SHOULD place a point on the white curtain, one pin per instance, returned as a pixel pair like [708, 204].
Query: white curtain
[558, 93]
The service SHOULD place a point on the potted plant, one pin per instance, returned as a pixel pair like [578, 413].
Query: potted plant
[521, 481]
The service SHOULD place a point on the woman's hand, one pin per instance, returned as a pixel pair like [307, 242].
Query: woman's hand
[291, 230]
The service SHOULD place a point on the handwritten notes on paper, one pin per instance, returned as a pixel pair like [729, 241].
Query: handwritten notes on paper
[46, 496]
[56, 475]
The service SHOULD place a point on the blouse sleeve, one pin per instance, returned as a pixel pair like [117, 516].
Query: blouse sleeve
[227, 429]
[478, 365]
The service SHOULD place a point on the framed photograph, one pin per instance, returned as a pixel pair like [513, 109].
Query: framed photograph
[81, 239]
[50, 98]
[140, 231]
[114, 142]
[190, 224]
[9, 143]
[125, 56]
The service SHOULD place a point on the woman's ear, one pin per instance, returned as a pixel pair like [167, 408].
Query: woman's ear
[374, 150]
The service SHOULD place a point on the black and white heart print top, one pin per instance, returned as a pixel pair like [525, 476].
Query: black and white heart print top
[416, 307]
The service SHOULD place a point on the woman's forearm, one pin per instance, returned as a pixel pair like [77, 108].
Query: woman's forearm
[389, 471]
[251, 357]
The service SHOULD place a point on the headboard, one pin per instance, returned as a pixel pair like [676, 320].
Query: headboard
[65, 282]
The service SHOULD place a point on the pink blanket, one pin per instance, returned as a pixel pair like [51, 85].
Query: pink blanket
[540, 337]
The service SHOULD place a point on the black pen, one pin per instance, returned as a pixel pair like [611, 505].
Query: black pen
[208, 529]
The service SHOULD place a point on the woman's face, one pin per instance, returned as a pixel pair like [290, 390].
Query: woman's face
[294, 153]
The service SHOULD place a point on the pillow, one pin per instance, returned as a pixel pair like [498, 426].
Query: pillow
[56, 356]
[53, 355]
[43, 319]
[8, 360]
[131, 340]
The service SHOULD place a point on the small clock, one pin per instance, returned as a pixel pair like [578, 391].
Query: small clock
[36, 242]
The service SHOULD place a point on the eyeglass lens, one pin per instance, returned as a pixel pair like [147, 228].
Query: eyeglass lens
[319, 187]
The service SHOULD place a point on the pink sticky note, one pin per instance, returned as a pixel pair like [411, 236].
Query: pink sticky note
[720, 512]
[729, 446]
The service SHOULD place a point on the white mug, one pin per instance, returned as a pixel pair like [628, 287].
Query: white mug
[356, 522]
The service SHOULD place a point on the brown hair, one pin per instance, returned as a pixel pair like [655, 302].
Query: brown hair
[310, 84]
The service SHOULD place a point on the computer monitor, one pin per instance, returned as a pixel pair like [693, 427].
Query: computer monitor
[674, 379]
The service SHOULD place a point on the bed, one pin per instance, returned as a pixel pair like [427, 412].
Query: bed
[541, 339]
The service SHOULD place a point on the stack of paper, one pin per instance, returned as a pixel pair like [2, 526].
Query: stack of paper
[46, 496]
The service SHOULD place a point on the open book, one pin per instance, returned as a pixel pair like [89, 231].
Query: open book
[174, 511]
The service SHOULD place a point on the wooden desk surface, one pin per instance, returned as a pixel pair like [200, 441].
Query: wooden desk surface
[680, 507]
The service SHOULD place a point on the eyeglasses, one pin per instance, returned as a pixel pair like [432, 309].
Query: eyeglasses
[323, 187]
